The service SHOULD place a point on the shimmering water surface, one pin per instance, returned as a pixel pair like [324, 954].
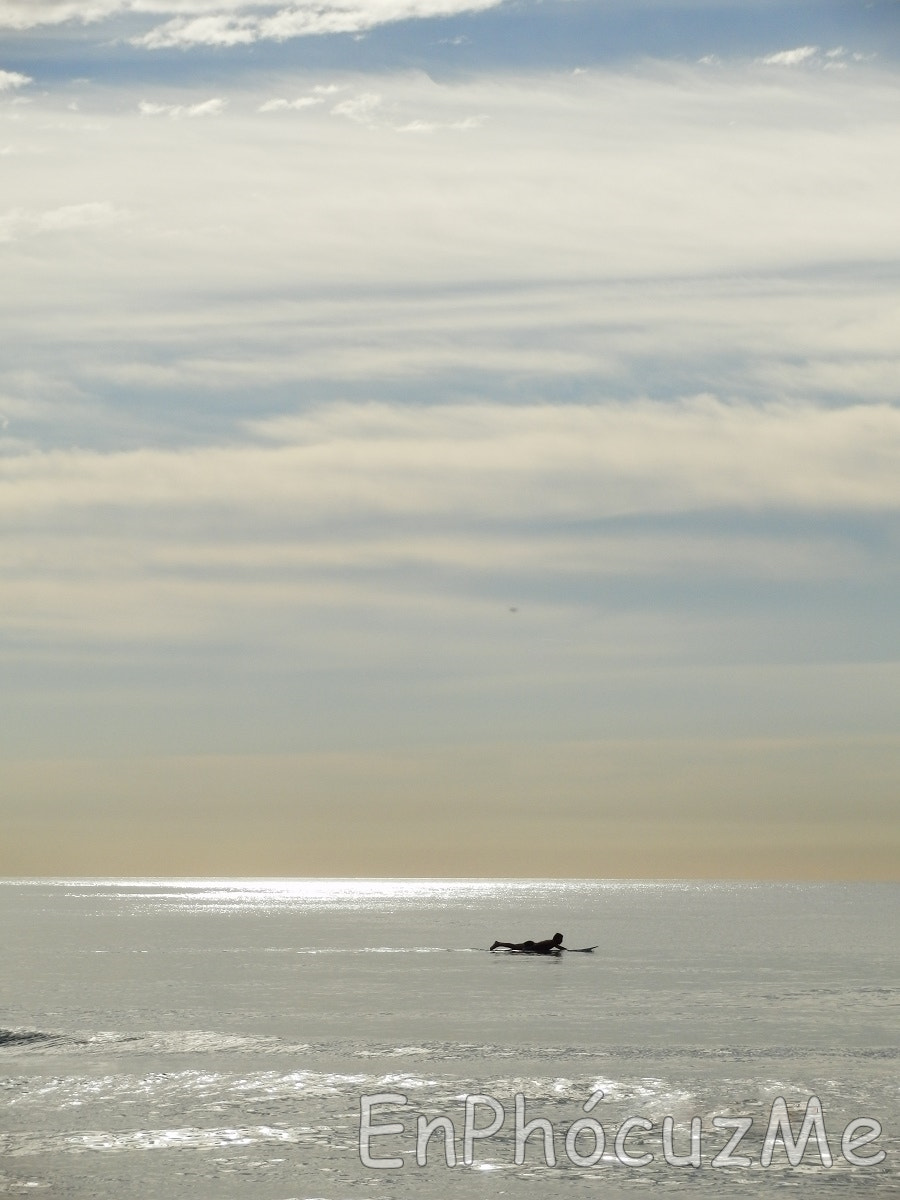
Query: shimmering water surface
[214, 1038]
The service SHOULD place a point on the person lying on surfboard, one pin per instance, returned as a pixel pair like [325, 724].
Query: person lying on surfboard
[548, 946]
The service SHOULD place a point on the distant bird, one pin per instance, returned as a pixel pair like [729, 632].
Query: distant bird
[512, 608]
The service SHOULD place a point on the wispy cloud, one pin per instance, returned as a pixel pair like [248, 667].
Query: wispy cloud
[277, 20]
[835, 59]
[310, 19]
[183, 32]
[20, 223]
[204, 108]
[449, 513]
[26, 14]
[740, 240]
[13, 79]
[500, 461]
[282, 105]
[317, 95]
[729, 173]
[420, 126]
[361, 108]
[119, 586]
[790, 58]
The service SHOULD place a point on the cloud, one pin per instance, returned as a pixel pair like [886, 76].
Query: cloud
[835, 59]
[419, 126]
[28, 14]
[729, 174]
[366, 108]
[287, 105]
[200, 31]
[829, 60]
[359, 108]
[624, 534]
[205, 108]
[499, 462]
[17, 223]
[311, 19]
[316, 96]
[13, 79]
[313, 16]
[487, 550]
[655, 233]
[790, 58]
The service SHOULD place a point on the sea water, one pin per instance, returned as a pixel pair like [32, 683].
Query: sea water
[194, 1039]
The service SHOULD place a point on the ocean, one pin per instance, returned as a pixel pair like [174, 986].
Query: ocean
[356, 1040]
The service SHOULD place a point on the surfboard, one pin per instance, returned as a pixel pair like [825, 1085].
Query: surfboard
[549, 953]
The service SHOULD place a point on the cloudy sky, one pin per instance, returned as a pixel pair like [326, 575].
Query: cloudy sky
[451, 437]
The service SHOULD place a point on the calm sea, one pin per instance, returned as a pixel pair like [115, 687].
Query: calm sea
[194, 1039]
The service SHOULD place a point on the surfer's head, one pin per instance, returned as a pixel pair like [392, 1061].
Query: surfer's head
[557, 939]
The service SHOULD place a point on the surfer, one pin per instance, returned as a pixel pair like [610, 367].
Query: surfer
[547, 946]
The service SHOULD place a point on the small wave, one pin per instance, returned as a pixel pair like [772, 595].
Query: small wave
[181, 1041]
[207, 1041]
[23, 1144]
[189, 1041]
[36, 1038]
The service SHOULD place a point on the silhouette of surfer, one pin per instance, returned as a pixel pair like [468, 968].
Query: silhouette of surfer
[547, 946]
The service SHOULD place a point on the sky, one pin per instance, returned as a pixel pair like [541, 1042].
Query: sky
[450, 437]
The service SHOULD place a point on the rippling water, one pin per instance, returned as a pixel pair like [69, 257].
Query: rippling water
[214, 1038]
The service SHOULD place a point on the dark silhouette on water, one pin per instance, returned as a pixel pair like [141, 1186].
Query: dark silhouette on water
[548, 946]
